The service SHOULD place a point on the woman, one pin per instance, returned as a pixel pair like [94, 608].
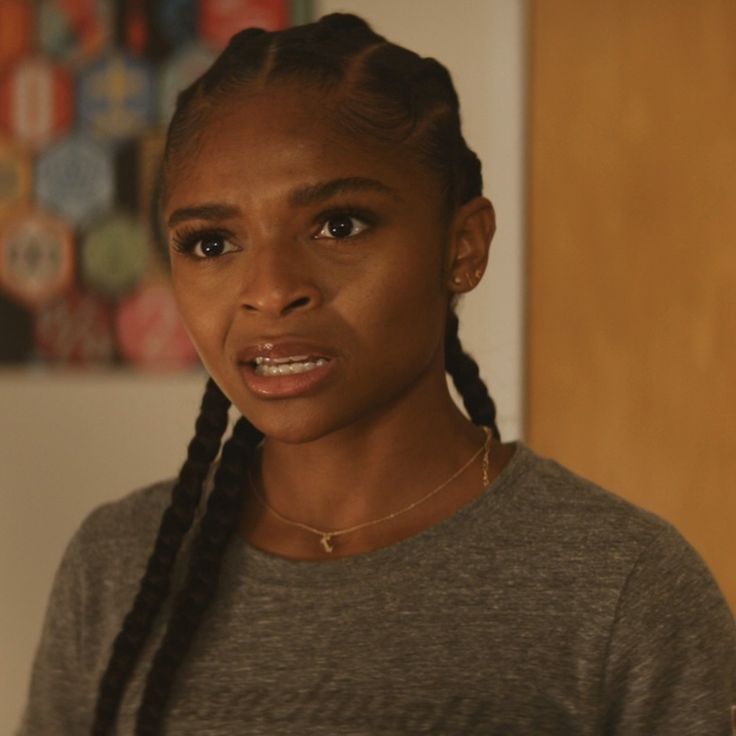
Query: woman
[367, 560]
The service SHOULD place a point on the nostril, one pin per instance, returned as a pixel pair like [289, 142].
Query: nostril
[278, 302]
[298, 303]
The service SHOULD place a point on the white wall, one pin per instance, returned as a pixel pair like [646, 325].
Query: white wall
[69, 441]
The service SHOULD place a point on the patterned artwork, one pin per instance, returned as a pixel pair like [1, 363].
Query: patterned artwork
[87, 88]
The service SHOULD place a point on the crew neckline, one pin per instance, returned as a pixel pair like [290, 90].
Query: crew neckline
[258, 563]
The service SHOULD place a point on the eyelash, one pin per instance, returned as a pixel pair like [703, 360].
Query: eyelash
[366, 218]
[186, 239]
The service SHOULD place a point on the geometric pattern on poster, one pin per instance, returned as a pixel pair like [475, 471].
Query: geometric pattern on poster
[116, 97]
[76, 179]
[36, 103]
[114, 255]
[36, 257]
[150, 331]
[77, 329]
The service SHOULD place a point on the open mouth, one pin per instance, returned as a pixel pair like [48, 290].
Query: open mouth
[287, 366]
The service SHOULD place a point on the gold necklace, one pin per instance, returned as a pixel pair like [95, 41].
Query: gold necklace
[326, 537]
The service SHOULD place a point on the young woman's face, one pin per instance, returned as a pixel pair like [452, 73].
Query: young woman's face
[308, 267]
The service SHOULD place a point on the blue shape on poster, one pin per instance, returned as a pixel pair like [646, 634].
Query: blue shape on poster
[116, 97]
[178, 20]
[76, 179]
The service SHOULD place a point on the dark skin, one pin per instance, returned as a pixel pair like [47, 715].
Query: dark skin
[295, 235]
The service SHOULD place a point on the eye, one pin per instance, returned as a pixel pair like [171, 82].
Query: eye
[203, 245]
[211, 246]
[341, 226]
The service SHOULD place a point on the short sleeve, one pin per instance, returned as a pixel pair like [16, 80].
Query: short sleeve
[56, 704]
[671, 665]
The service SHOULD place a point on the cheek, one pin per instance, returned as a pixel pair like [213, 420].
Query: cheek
[202, 309]
[403, 304]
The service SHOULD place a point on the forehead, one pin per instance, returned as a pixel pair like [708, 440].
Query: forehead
[281, 137]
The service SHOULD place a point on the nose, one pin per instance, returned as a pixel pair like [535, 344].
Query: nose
[278, 282]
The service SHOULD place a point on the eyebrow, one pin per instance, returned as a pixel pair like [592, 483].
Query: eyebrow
[302, 197]
[207, 211]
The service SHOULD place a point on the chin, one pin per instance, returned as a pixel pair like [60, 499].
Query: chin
[283, 420]
[291, 431]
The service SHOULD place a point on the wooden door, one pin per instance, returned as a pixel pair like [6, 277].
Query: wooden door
[631, 374]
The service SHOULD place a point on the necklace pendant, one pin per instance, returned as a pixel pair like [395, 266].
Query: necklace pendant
[326, 542]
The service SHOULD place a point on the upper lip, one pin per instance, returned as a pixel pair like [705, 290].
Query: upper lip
[282, 348]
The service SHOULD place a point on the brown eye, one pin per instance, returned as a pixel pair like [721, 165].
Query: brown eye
[210, 246]
[203, 245]
[339, 227]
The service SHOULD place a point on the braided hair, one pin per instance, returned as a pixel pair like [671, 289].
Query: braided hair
[390, 94]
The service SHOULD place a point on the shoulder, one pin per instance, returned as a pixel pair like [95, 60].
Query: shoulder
[573, 513]
[548, 484]
[133, 518]
[94, 585]
[113, 543]
[630, 585]
[557, 528]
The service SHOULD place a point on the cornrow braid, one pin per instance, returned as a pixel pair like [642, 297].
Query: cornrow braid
[154, 586]
[378, 88]
[469, 174]
[466, 377]
[251, 44]
[224, 507]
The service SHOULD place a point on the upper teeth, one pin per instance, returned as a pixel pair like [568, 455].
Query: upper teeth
[286, 366]
[261, 360]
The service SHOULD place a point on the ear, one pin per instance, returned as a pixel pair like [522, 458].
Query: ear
[471, 233]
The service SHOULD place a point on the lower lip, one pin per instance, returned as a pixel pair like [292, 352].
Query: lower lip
[288, 386]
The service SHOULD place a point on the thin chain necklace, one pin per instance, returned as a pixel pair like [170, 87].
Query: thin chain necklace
[326, 537]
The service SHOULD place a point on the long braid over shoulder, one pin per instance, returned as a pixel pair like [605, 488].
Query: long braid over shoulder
[154, 586]
[466, 377]
[223, 513]
[372, 89]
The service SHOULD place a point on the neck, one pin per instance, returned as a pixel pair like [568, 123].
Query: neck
[373, 467]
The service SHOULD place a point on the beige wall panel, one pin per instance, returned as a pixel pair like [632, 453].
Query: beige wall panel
[632, 262]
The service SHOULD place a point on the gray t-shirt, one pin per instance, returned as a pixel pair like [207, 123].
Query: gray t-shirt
[545, 606]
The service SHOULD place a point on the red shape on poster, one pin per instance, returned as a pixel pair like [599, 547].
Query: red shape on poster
[36, 103]
[220, 19]
[136, 27]
[150, 331]
[16, 29]
[76, 329]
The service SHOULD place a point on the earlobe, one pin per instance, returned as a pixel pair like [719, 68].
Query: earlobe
[470, 238]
